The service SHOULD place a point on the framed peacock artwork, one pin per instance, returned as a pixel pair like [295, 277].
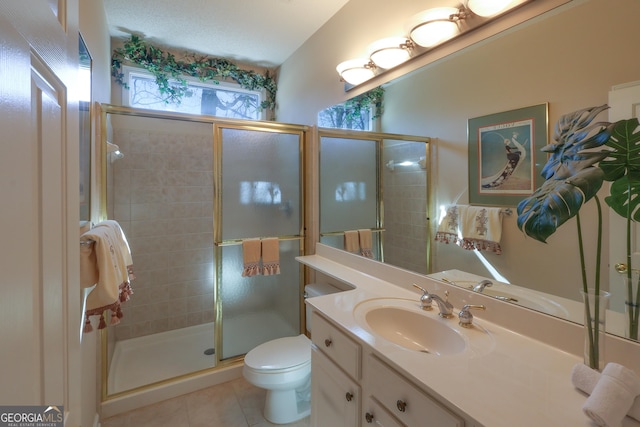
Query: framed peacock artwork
[505, 159]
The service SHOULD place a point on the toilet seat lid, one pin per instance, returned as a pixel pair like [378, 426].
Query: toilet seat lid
[280, 353]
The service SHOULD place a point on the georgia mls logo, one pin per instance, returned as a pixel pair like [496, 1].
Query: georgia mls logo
[31, 416]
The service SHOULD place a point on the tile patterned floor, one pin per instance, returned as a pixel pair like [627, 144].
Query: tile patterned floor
[233, 404]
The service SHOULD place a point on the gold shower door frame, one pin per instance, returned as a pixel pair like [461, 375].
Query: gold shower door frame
[379, 138]
[217, 125]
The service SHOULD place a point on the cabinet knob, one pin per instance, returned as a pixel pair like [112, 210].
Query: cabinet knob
[368, 417]
[349, 396]
[402, 405]
[327, 342]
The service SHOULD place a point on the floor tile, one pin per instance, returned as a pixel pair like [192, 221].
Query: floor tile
[232, 404]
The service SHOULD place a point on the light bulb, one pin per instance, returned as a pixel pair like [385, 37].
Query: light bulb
[355, 71]
[488, 8]
[390, 52]
[433, 26]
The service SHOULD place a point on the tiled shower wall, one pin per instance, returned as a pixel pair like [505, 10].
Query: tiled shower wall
[405, 207]
[162, 195]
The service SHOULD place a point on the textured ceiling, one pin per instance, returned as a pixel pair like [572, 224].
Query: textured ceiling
[258, 32]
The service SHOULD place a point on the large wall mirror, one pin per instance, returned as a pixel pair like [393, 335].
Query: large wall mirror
[509, 71]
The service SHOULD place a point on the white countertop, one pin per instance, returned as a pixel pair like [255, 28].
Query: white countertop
[518, 381]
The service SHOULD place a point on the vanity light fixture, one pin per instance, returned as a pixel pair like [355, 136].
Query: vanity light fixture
[389, 52]
[487, 8]
[356, 71]
[425, 31]
[434, 26]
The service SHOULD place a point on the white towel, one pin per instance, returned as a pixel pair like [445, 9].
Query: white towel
[481, 229]
[449, 226]
[123, 244]
[111, 270]
[613, 395]
[365, 241]
[251, 252]
[585, 379]
[270, 256]
[351, 241]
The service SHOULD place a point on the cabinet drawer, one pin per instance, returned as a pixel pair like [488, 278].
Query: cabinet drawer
[406, 401]
[343, 351]
[376, 415]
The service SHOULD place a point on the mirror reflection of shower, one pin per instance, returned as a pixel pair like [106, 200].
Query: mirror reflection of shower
[113, 152]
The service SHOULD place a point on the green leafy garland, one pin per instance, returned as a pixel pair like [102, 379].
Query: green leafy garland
[361, 102]
[169, 72]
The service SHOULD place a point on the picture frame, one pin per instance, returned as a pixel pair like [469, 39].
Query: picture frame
[505, 157]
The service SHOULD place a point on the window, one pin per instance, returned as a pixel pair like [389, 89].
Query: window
[358, 113]
[342, 117]
[208, 98]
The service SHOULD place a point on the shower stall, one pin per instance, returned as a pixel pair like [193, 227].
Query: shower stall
[187, 190]
[381, 182]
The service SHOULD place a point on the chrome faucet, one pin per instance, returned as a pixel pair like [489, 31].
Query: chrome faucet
[446, 308]
[465, 316]
[480, 286]
[425, 300]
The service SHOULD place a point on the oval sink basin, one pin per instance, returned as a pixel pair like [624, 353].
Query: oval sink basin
[414, 330]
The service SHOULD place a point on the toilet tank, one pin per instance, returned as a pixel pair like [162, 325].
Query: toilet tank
[315, 290]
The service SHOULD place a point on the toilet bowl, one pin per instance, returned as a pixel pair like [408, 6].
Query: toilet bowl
[283, 367]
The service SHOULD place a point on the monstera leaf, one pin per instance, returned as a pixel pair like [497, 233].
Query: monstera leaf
[557, 201]
[571, 177]
[576, 140]
[622, 166]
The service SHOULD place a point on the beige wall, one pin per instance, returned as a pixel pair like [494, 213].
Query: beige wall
[93, 27]
[569, 58]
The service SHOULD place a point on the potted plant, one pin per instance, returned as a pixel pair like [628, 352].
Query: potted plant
[584, 155]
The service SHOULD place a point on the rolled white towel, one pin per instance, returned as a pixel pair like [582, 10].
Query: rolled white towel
[585, 379]
[613, 395]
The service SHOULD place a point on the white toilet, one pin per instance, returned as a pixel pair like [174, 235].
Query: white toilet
[283, 367]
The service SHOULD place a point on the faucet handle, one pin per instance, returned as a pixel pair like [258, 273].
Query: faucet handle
[425, 300]
[465, 316]
[481, 285]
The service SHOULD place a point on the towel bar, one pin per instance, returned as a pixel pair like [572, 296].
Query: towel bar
[239, 241]
[88, 242]
[340, 233]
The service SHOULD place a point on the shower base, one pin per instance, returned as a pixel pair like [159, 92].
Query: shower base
[146, 360]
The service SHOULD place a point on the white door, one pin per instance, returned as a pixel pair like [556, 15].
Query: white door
[39, 194]
[624, 101]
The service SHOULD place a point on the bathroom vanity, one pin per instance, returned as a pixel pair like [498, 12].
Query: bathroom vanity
[501, 372]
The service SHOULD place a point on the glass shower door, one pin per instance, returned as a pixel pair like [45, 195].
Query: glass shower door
[258, 194]
[349, 189]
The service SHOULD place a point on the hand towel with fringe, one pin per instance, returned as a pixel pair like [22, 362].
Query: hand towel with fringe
[351, 241]
[365, 239]
[251, 252]
[585, 379]
[270, 256]
[123, 245]
[481, 229]
[109, 265]
[613, 395]
[450, 225]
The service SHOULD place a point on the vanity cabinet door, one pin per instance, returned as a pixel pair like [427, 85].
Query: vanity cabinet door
[376, 415]
[409, 404]
[336, 345]
[335, 398]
